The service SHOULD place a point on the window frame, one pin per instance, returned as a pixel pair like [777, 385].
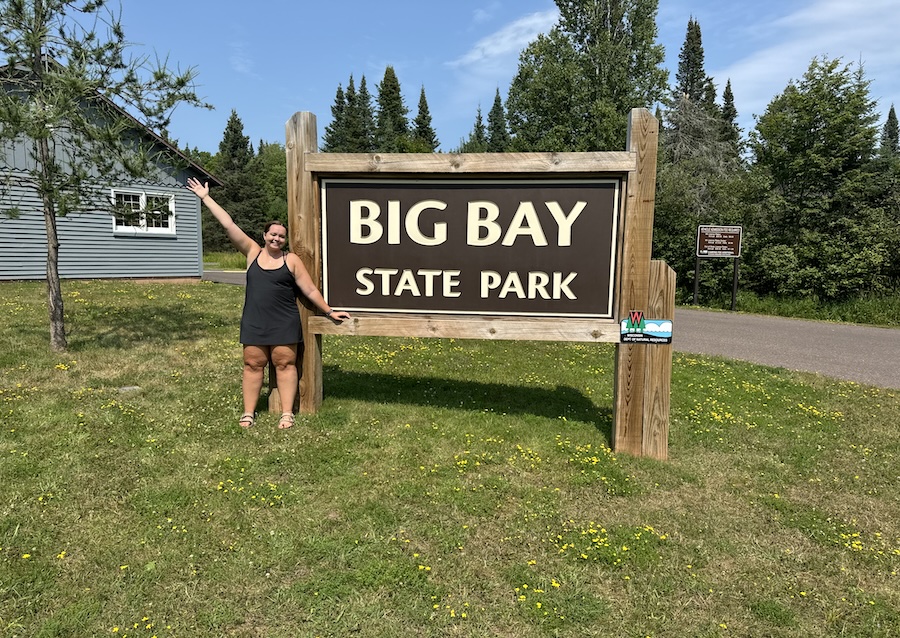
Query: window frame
[142, 227]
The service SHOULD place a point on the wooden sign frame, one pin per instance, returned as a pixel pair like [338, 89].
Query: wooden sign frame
[643, 371]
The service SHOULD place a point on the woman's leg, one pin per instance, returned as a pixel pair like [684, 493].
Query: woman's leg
[285, 360]
[256, 358]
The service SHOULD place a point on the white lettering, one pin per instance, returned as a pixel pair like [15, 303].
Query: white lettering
[537, 283]
[412, 223]
[490, 280]
[451, 281]
[564, 235]
[407, 282]
[358, 222]
[561, 286]
[362, 277]
[525, 222]
[393, 222]
[489, 223]
[512, 284]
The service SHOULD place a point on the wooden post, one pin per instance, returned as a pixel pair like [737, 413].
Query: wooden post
[304, 233]
[632, 359]
[658, 381]
[274, 404]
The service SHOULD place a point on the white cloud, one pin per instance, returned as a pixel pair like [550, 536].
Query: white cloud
[497, 48]
[784, 46]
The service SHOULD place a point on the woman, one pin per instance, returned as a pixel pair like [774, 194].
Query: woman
[270, 323]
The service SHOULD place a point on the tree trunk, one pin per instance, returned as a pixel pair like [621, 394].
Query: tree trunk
[54, 289]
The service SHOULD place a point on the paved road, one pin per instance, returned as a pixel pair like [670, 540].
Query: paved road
[848, 352]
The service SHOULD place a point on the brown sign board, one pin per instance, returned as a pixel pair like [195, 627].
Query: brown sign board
[719, 241]
[533, 247]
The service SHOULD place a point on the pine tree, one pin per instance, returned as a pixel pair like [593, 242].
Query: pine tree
[243, 193]
[731, 132]
[235, 150]
[477, 141]
[497, 130]
[890, 135]
[691, 80]
[77, 142]
[333, 140]
[391, 125]
[366, 113]
[424, 138]
[813, 148]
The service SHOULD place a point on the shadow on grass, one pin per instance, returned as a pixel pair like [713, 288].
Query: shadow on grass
[563, 401]
[127, 326]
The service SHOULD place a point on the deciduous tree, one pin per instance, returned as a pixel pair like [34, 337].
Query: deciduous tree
[65, 62]
[576, 85]
[813, 148]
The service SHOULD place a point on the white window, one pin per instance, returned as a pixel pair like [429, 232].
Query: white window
[138, 212]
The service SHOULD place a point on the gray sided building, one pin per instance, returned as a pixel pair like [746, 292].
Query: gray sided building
[161, 238]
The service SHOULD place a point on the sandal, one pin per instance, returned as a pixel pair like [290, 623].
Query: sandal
[247, 420]
[286, 421]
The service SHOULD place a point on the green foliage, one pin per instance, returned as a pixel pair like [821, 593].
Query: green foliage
[477, 140]
[334, 137]
[352, 129]
[814, 147]
[544, 104]
[691, 81]
[83, 118]
[890, 134]
[424, 137]
[576, 85]
[391, 125]
[498, 139]
[245, 189]
[700, 180]
[270, 164]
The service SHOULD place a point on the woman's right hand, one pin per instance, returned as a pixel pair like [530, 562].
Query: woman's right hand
[200, 190]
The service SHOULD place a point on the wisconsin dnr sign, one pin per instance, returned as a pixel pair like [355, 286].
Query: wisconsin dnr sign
[538, 247]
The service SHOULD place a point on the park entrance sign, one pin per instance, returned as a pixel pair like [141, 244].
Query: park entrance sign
[474, 247]
[520, 246]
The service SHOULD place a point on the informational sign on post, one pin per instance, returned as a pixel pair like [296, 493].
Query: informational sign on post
[719, 241]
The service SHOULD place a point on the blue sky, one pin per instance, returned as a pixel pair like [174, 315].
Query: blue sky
[269, 59]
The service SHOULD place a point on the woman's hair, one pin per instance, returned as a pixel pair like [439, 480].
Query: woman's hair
[272, 223]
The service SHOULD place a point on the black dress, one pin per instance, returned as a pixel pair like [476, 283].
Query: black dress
[271, 316]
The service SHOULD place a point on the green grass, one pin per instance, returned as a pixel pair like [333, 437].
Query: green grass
[232, 260]
[871, 309]
[445, 488]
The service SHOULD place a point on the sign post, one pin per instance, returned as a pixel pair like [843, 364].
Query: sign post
[718, 241]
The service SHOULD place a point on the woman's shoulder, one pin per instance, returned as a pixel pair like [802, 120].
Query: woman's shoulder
[253, 250]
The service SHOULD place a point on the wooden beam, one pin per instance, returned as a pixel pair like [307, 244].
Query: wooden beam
[631, 359]
[474, 163]
[304, 233]
[457, 327]
[658, 380]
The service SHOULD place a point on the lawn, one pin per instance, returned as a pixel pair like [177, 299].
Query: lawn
[446, 488]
